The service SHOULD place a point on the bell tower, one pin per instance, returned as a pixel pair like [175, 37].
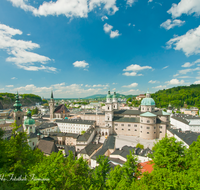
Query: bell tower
[51, 106]
[18, 113]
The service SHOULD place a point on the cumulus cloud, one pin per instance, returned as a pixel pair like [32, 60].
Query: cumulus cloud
[61, 90]
[175, 82]
[20, 50]
[130, 2]
[13, 78]
[185, 71]
[87, 85]
[168, 24]
[133, 85]
[99, 85]
[189, 43]
[9, 86]
[107, 27]
[114, 34]
[133, 69]
[104, 18]
[197, 82]
[132, 91]
[185, 7]
[187, 64]
[69, 8]
[81, 64]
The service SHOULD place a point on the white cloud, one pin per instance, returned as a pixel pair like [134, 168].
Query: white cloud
[187, 64]
[175, 82]
[60, 90]
[160, 87]
[104, 18]
[1, 89]
[81, 64]
[130, 2]
[150, 1]
[135, 68]
[184, 77]
[114, 34]
[131, 91]
[165, 67]
[87, 85]
[168, 24]
[185, 7]
[107, 27]
[129, 24]
[69, 8]
[114, 83]
[133, 85]
[197, 82]
[188, 43]
[152, 82]
[28, 34]
[13, 78]
[20, 51]
[133, 24]
[185, 71]
[9, 86]
[100, 85]
[175, 75]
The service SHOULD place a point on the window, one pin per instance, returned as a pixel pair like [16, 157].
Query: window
[135, 129]
[135, 125]
[154, 127]
[160, 127]
[141, 120]
[147, 109]
[116, 124]
[122, 129]
[108, 118]
[129, 125]
[148, 127]
[128, 129]
[115, 128]
[147, 132]
[33, 143]
[154, 132]
[122, 124]
[140, 131]
[142, 108]
[148, 121]
[141, 126]
[18, 118]
[160, 131]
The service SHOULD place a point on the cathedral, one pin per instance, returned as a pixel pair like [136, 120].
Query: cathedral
[146, 122]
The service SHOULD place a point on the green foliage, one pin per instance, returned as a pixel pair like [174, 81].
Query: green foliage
[178, 96]
[140, 146]
[82, 132]
[34, 111]
[102, 105]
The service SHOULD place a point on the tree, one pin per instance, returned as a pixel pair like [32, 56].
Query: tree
[82, 132]
[140, 146]
[34, 111]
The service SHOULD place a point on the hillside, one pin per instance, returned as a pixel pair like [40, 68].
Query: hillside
[7, 100]
[181, 96]
[103, 96]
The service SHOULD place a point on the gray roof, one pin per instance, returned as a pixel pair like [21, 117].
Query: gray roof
[188, 136]
[47, 146]
[76, 121]
[86, 135]
[68, 148]
[127, 119]
[127, 112]
[109, 143]
[90, 148]
[73, 135]
[46, 125]
[116, 160]
[181, 119]
[186, 116]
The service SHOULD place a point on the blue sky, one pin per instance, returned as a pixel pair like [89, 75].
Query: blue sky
[81, 48]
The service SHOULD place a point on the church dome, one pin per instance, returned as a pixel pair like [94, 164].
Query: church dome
[114, 96]
[148, 102]
[109, 95]
[29, 120]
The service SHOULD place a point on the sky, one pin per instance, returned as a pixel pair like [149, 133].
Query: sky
[79, 48]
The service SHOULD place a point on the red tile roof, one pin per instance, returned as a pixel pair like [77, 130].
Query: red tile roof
[146, 167]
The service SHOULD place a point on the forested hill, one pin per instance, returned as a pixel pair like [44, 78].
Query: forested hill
[8, 99]
[181, 96]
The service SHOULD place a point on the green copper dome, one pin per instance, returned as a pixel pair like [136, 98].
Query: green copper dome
[114, 96]
[109, 95]
[148, 102]
[29, 120]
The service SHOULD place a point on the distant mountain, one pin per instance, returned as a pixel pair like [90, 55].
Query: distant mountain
[102, 96]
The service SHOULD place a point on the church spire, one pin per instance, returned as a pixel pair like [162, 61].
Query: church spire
[17, 104]
[51, 94]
